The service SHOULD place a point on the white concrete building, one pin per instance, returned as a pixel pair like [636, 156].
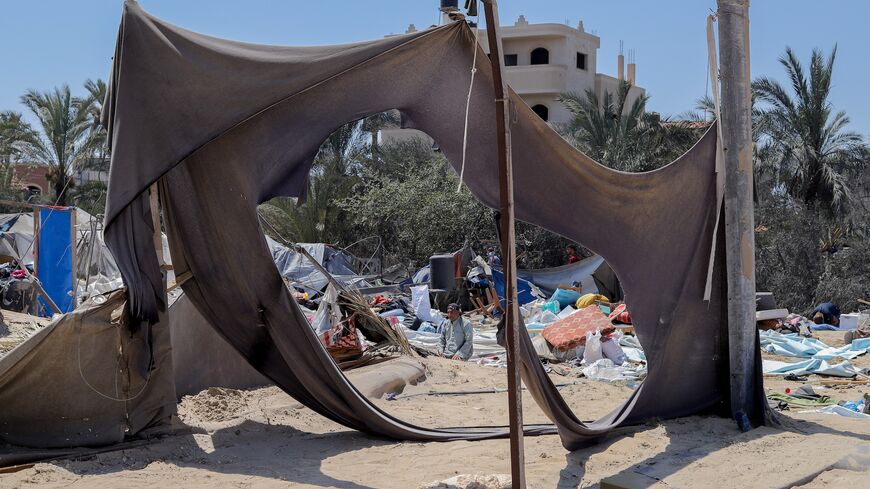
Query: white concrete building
[543, 61]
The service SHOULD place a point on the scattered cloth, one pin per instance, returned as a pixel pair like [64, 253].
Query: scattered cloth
[840, 411]
[812, 366]
[620, 315]
[565, 297]
[604, 370]
[793, 345]
[795, 401]
[589, 299]
[803, 396]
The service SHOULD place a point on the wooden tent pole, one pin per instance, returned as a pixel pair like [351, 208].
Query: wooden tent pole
[508, 244]
[739, 218]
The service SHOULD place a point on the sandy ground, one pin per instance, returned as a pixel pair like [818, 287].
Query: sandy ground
[16, 327]
[263, 438]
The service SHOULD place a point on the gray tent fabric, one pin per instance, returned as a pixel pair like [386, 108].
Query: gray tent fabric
[549, 279]
[607, 283]
[16, 237]
[225, 125]
[201, 357]
[56, 389]
[299, 270]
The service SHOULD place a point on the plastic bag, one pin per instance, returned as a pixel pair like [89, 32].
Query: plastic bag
[328, 313]
[611, 349]
[422, 308]
[593, 352]
[602, 370]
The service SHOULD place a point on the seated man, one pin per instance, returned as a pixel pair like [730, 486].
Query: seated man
[457, 336]
[826, 313]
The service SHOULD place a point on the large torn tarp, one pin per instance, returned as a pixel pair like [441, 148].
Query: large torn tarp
[224, 126]
[77, 383]
[299, 271]
[201, 357]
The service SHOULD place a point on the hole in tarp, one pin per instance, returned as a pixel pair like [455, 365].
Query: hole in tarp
[381, 204]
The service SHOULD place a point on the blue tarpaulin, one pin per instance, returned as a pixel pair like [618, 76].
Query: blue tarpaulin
[524, 288]
[811, 366]
[54, 264]
[793, 345]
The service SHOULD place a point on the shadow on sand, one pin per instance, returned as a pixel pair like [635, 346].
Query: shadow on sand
[647, 473]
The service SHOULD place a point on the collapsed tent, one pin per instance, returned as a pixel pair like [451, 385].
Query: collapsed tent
[57, 391]
[16, 238]
[77, 382]
[549, 279]
[299, 271]
[94, 270]
[224, 125]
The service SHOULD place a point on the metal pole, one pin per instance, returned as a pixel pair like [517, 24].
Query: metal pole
[739, 218]
[508, 244]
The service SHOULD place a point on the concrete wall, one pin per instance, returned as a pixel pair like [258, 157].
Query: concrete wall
[542, 84]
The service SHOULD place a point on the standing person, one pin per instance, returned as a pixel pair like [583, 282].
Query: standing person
[573, 254]
[492, 258]
[457, 337]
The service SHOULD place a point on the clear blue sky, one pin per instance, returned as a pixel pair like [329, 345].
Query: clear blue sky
[46, 43]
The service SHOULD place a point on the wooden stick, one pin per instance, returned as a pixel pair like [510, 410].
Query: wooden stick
[508, 244]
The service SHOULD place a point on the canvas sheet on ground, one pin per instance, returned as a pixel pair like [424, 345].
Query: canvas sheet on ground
[224, 126]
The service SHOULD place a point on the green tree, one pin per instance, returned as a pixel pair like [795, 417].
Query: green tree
[335, 172]
[61, 140]
[810, 149]
[373, 126]
[624, 136]
[93, 104]
[13, 130]
[410, 200]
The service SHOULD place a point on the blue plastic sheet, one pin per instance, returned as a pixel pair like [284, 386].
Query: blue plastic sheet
[54, 266]
[565, 297]
[807, 367]
[794, 345]
[525, 289]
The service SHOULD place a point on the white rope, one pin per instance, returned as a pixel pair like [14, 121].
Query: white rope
[117, 369]
[468, 103]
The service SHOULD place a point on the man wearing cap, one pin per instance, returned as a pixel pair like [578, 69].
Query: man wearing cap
[457, 337]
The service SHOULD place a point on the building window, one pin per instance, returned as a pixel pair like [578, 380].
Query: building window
[581, 61]
[542, 111]
[510, 59]
[540, 56]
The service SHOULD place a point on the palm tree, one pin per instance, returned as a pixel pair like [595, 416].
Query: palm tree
[375, 123]
[813, 153]
[622, 136]
[94, 105]
[61, 140]
[334, 173]
[13, 130]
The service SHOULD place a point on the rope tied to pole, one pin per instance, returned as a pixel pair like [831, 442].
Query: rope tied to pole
[468, 103]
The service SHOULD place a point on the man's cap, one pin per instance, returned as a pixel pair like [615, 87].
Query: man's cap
[453, 306]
